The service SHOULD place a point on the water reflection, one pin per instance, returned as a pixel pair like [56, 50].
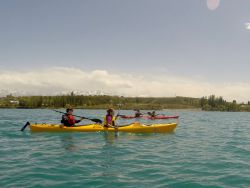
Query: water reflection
[80, 141]
[109, 154]
[68, 142]
[110, 137]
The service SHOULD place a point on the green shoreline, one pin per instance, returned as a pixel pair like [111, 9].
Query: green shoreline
[211, 103]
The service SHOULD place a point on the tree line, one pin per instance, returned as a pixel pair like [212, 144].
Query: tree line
[213, 103]
[210, 103]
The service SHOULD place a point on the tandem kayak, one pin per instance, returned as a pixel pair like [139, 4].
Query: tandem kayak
[133, 128]
[150, 117]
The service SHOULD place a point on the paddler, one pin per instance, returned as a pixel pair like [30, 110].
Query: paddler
[152, 114]
[110, 118]
[68, 119]
[138, 113]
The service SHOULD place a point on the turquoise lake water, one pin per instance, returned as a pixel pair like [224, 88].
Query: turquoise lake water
[208, 149]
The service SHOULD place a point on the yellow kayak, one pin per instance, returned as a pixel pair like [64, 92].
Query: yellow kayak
[133, 128]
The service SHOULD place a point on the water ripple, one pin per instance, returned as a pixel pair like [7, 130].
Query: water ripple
[208, 149]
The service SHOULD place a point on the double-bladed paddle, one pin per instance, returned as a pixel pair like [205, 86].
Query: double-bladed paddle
[94, 120]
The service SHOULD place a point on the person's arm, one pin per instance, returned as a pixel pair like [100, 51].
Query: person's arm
[64, 119]
[77, 121]
[113, 121]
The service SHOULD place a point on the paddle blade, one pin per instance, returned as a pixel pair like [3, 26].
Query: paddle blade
[24, 127]
[96, 120]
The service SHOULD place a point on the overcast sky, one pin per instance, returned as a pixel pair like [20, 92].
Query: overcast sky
[133, 47]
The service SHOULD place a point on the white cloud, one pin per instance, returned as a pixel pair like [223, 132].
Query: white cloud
[247, 25]
[60, 80]
[213, 4]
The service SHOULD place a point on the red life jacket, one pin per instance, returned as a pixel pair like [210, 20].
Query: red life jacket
[71, 120]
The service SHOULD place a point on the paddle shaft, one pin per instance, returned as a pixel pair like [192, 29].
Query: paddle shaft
[95, 120]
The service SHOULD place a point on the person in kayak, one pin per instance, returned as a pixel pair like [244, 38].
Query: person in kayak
[152, 114]
[138, 113]
[109, 119]
[68, 119]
